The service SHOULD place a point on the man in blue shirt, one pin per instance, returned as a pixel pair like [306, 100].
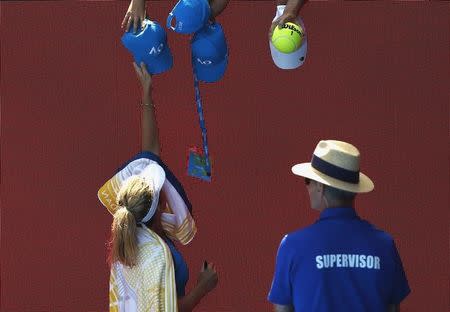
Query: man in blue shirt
[341, 262]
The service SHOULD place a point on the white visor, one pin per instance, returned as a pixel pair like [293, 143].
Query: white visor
[294, 59]
[155, 176]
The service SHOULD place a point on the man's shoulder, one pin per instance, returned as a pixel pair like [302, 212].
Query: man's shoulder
[312, 232]
[303, 233]
[377, 232]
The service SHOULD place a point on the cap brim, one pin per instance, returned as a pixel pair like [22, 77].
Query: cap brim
[289, 60]
[154, 174]
[211, 73]
[365, 184]
[188, 29]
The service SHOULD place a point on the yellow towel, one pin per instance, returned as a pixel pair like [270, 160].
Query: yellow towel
[150, 285]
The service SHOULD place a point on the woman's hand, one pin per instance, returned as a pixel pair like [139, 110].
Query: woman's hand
[217, 6]
[144, 77]
[207, 278]
[135, 14]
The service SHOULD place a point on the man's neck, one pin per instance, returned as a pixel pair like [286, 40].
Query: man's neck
[338, 205]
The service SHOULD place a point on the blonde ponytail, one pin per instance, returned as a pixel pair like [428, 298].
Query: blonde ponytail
[135, 199]
[124, 240]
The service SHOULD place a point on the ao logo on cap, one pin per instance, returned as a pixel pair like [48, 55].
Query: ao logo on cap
[205, 62]
[154, 51]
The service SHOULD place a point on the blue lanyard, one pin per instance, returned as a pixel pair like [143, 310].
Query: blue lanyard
[198, 100]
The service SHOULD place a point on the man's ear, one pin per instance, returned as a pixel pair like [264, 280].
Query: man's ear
[319, 187]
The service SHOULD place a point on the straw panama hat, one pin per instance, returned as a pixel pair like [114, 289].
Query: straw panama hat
[336, 164]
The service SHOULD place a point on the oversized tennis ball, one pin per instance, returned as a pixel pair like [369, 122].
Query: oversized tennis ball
[288, 38]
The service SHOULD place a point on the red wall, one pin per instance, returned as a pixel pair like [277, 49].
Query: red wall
[376, 75]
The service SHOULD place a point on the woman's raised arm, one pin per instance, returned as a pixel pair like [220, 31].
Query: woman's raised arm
[149, 129]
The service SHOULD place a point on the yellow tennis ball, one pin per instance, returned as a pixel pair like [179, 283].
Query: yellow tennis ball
[288, 38]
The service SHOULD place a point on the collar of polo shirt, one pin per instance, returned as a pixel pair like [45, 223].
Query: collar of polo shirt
[338, 212]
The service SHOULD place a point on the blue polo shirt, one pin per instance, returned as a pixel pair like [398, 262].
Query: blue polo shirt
[339, 263]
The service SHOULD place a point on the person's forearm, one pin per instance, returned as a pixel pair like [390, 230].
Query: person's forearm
[188, 302]
[292, 6]
[150, 138]
[217, 6]
[138, 4]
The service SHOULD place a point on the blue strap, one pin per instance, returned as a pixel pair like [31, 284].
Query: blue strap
[198, 100]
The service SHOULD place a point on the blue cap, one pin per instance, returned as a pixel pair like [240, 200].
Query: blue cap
[209, 53]
[190, 16]
[149, 46]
